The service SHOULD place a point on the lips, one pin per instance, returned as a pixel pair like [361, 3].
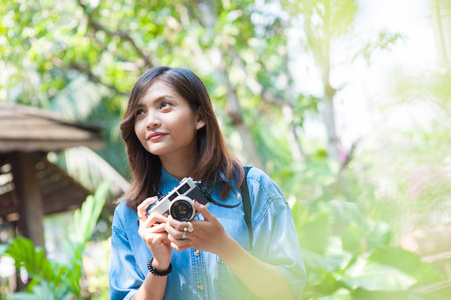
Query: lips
[155, 136]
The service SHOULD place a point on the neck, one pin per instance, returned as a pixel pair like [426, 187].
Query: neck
[179, 168]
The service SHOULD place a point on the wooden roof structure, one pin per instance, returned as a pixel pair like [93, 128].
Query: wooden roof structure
[30, 185]
[28, 129]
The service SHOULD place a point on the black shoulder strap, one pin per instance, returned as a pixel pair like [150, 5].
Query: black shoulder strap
[247, 207]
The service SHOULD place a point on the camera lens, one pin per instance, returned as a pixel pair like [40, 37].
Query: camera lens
[182, 209]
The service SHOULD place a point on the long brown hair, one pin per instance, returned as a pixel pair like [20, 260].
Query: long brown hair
[213, 155]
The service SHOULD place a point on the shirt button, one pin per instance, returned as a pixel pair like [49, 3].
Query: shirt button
[197, 252]
[200, 287]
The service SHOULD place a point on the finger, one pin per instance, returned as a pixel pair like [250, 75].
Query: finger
[175, 239]
[179, 247]
[155, 239]
[166, 241]
[190, 227]
[142, 208]
[146, 203]
[179, 242]
[157, 228]
[174, 234]
[208, 216]
[152, 219]
[172, 231]
[178, 225]
[154, 230]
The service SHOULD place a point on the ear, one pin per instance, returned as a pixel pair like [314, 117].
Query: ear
[200, 124]
[200, 119]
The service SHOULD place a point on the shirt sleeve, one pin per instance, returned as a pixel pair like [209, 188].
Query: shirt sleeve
[123, 278]
[275, 238]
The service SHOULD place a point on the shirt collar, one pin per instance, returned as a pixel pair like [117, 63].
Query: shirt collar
[167, 178]
[168, 182]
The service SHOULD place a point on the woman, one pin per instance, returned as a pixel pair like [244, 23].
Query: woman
[171, 132]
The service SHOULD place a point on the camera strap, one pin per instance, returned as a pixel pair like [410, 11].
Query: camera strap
[247, 207]
[242, 198]
[234, 191]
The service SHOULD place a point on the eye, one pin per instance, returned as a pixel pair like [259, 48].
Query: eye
[165, 104]
[139, 112]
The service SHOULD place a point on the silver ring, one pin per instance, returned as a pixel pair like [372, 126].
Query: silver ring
[190, 227]
[184, 235]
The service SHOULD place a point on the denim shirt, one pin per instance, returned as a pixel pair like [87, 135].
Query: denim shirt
[203, 275]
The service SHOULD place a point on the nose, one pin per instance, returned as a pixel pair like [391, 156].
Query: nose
[152, 120]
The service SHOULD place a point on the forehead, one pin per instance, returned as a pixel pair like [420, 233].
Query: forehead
[158, 89]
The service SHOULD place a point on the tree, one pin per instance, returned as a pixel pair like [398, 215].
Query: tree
[441, 23]
[323, 22]
[49, 45]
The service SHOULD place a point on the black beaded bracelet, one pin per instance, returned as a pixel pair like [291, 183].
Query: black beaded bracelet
[155, 271]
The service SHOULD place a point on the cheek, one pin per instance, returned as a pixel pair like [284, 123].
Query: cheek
[139, 134]
[189, 128]
[137, 129]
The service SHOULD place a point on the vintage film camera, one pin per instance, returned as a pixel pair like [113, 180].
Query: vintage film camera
[179, 202]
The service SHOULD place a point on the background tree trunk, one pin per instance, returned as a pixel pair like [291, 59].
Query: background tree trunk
[440, 40]
[329, 121]
[234, 109]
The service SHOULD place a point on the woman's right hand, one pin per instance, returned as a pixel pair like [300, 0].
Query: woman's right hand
[152, 231]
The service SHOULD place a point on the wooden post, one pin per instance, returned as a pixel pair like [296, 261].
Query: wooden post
[29, 195]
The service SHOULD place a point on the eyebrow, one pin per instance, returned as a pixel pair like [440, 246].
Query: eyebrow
[159, 99]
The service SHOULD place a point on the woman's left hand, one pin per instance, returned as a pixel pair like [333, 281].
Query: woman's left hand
[207, 235]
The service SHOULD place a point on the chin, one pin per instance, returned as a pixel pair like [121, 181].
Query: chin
[156, 152]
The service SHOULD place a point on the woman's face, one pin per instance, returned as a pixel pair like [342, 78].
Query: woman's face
[166, 125]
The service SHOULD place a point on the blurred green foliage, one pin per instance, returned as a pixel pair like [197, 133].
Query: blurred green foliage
[349, 256]
[55, 280]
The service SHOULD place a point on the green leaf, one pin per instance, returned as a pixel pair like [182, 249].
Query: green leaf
[51, 280]
[340, 294]
[345, 213]
[24, 254]
[86, 218]
[26, 296]
[399, 258]
[331, 262]
[314, 234]
[351, 239]
[379, 295]
[372, 276]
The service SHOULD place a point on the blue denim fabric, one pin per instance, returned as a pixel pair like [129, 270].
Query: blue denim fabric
[202, 275]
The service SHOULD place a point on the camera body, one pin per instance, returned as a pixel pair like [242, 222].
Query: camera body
[179, 202]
